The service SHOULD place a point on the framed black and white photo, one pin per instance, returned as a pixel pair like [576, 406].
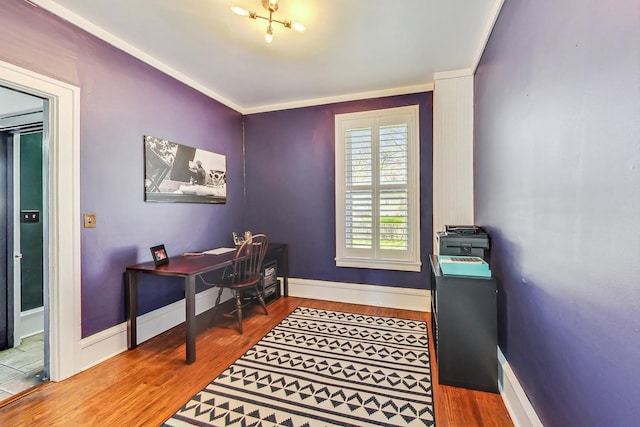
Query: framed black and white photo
[178, 173]
[159, 255]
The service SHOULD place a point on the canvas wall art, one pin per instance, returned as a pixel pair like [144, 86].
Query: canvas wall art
[178, 173]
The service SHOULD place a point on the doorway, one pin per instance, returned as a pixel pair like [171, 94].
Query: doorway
[23, 224]
[62, 210]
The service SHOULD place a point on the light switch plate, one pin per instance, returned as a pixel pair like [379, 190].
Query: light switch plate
[90, 220]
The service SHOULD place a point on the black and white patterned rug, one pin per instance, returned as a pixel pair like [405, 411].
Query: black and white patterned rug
[323, 368]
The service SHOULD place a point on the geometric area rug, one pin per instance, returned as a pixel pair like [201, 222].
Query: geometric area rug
[323, 368]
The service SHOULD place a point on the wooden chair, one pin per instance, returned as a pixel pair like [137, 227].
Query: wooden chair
[245, 273]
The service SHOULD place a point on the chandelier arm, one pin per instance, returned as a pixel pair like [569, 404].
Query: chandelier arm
[280, 22]
[285, 23]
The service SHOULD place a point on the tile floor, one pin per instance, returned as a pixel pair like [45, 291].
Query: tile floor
[21, 367]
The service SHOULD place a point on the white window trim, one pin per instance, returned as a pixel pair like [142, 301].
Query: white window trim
[352, 258]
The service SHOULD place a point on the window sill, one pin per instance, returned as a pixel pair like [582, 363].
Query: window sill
[380, 264]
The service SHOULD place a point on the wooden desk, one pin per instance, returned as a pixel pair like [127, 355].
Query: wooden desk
[189, 267]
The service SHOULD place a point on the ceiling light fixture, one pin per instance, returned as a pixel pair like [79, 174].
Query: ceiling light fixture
[272, 7]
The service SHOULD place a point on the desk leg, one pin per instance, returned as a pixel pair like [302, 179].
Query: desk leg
[285, 269]
[190, 297]
[131, 298]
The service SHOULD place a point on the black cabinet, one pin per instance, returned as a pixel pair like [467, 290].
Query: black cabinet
[464, 326]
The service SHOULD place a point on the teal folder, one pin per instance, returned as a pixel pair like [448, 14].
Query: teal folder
[455, 265]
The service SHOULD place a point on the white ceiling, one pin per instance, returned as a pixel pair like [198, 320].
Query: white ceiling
[12, 101]
[352, 49]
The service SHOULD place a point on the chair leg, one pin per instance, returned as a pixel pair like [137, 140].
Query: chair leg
[239, 308]
[264, 306]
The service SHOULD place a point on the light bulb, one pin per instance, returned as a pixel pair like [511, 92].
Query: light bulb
[239, 11]
[298, 26]
[268, 36]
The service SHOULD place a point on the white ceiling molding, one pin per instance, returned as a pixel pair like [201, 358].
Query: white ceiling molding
[351, 50]
[497, 7]
[342, 98]
[93, 29]
[452, 74]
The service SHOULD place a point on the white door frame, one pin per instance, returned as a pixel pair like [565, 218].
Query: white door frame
[63, 205]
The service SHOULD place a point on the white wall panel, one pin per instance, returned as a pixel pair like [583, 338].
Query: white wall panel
[452, 149]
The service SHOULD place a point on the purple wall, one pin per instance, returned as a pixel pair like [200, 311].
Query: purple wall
[558, 187]
[290, 167]
[123, 99]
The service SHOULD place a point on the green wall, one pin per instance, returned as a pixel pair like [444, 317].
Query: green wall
[31, 233]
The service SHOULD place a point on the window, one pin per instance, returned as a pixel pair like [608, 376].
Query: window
[378, 189]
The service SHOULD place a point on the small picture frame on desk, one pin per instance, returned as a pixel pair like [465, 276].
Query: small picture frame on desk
[159, 255]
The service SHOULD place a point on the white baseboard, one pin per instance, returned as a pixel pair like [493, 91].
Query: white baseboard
[103, 345]
[378, 296]
[31, 322]
[514, 397]
[108, 343]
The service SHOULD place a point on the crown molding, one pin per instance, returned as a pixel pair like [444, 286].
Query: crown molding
[443, 75]
[497, 7]
[427, 87]
[93, 29]
[118, 43]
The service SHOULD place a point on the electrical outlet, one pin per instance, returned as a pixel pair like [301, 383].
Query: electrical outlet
[89, 220]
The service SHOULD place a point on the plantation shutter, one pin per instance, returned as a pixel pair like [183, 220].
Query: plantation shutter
[393, 176]
[358, 195]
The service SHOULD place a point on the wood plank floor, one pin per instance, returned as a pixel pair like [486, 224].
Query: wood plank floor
[145, 386]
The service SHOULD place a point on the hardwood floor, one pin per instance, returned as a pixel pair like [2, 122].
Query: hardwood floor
[145, 386]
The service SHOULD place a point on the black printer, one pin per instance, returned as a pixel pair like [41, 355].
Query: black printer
[467, 240]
